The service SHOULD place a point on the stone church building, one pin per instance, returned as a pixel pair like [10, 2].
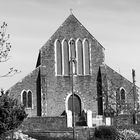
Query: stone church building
[73, 60]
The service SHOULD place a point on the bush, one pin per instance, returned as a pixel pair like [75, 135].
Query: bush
[129, 135]
[17, 135]
[107, 132]
[12, 114]
[136, 128]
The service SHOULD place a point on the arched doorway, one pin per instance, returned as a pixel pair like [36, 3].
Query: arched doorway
[77, 104]
[79, 115]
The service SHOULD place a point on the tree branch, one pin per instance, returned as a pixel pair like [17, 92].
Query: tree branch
[11, 72]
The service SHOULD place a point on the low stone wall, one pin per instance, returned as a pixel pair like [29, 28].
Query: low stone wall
[53, 127]
[81, 133]
[56, 134]
[44, 124]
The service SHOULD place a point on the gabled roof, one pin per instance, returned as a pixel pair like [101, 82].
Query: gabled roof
[107, 70]
[34, 72]
[71, 25]
[71, 17]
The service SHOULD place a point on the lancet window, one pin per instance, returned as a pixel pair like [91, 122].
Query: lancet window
[72, 55]
[26, 98]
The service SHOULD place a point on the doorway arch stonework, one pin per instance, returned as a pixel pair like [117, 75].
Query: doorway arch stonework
[77, 104]
[67, 100]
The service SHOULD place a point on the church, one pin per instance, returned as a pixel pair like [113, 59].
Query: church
[71, 76]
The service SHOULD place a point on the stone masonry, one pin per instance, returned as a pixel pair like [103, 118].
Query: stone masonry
[50, 92]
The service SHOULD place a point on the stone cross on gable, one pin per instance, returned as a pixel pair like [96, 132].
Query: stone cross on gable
[71, 11]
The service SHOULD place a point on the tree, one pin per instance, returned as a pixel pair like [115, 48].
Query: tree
[12, 114]
[5, 48]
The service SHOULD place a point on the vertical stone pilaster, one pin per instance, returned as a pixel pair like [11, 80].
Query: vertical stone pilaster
[43, 90]
[43, 98]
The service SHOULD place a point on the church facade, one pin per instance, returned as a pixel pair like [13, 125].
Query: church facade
[73, 61]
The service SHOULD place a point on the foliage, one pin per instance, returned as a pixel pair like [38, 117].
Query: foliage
[11, 114]
[5, 46]
[18, 135]
[135, 128]
[106, 132]
[129, 135]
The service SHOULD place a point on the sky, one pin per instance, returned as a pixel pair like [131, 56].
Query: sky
[114, 23]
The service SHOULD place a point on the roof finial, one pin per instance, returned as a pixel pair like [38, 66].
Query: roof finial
[71, 11]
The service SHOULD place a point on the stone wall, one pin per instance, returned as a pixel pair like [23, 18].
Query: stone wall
[114, 82]
[120, 82]
[27, 83]
[44, 124]
[59, 87]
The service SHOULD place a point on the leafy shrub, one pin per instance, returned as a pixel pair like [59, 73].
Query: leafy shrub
[17, 135]
[12, 114]
[136, 128]
[129, 135]
[108, 132]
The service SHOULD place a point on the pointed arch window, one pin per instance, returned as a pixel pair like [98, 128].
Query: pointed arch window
[29, 99]
[65, 57]
[86, 57]
[58, 53]
[122, 95]
[72, 49]
[26, 98]
[72, 52]
[79, 50]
